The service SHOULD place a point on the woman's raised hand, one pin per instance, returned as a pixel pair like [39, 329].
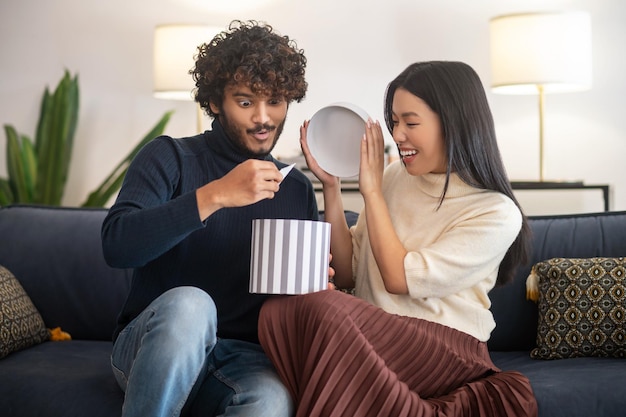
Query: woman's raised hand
[372, 159]
[324, 177]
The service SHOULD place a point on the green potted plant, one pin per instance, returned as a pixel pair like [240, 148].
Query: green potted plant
[37, 170]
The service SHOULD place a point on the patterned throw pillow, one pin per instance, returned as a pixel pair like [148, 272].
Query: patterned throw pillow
[21, 325]
[582, 307]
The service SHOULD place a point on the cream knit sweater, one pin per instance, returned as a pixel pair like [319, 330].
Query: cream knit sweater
[453, 252]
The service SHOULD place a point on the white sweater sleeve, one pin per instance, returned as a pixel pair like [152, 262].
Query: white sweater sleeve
[467, 251]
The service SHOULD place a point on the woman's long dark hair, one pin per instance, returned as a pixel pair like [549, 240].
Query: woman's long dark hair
[454, 91]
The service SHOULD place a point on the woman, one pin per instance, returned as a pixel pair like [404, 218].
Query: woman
[438, 231]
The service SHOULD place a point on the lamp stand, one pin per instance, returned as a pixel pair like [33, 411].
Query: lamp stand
[541, 156]
[199, 118]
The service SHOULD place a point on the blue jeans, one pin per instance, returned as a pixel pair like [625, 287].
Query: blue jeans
[169, 362]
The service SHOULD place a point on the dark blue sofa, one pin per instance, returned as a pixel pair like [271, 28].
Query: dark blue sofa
[564, 387]
[56, 255]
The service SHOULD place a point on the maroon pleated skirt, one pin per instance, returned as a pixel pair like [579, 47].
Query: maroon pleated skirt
[341, 356]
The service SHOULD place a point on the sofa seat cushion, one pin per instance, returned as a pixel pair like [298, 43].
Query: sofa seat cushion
[70, 378]
[575, 387]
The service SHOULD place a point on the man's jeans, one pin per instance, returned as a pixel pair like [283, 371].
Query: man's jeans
[170, 353]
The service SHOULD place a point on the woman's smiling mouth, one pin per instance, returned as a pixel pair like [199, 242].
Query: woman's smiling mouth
[407, 154]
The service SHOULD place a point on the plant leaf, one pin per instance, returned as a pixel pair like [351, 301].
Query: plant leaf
[29, 161]
[15, 167]
[6, 196]
[43, 143]
[113, 182]
[55, 138]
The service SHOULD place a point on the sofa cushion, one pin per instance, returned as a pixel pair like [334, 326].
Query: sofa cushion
[565, 236]
[582, 307]
[60, 379]
[21, 325]
[577, 387]
[56, 253]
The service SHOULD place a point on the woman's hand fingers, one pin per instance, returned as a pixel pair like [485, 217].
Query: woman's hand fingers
[311, 162]
[372, 158]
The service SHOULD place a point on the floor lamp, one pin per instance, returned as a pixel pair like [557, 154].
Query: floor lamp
[174, 49]
[541, 53]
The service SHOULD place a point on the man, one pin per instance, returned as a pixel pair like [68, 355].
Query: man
[186, 341]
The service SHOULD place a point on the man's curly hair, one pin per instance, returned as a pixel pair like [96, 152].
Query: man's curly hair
[252, 54]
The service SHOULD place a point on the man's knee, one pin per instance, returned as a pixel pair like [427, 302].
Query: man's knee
[186, 302]
[184, 311]
[272, 399]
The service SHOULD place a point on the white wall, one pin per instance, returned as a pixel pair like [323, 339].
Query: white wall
[354, 48]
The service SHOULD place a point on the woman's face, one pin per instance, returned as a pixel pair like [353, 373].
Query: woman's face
[417, 132]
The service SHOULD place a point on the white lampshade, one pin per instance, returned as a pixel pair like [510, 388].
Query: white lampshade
[551, 50]
[175, 47]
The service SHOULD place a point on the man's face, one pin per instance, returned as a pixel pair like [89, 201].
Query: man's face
[252, 122]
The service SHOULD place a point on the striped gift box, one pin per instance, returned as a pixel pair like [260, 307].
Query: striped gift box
[289, 256]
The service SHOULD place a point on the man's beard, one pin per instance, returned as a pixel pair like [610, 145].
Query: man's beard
[234, 135]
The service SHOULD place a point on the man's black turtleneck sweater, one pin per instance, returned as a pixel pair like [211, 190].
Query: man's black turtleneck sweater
[154, 227]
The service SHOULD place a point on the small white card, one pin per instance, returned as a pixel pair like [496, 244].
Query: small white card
[285, 171]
